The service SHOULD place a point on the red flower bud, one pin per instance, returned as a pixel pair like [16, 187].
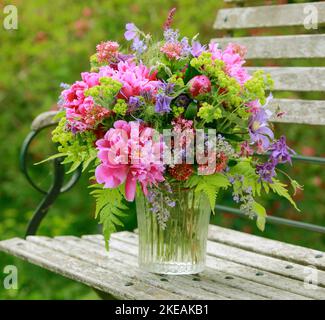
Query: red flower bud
[199, 85]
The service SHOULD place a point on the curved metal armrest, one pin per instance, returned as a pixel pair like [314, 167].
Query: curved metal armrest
[42, 121]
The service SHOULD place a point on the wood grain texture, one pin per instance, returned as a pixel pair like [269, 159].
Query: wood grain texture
[292, 288]
[268, 16]
[299, 111]
[278, 47]
[295, 78]
[233, 271]
[268, 247]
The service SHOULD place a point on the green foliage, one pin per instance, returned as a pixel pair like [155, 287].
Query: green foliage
[280, 188]
[104, 93]
[76, 149]
[110, 208]
[251, 179]
[260, 215]
[209, 185]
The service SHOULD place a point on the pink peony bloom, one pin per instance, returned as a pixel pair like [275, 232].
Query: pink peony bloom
[199, 85]
[129, 153]
[81, 112]
[233, 59]
[136, 79]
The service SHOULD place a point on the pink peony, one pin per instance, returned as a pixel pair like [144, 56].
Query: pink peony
[129, 153]
[136, 79]
[233, 59]
[81, 112]
[199, 85]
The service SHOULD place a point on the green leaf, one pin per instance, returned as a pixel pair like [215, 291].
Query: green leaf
[209, 185]
[55, 156]
[280, 188]
[110, 207]
[261, 215]
[251, 179]
[190, 73]
[191, 111]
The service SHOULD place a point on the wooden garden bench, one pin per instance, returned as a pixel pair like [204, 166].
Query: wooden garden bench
[239, 265]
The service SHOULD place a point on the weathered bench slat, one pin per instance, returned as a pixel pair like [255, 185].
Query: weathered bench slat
[210, 279]
[299, 111]
[268, 247]
[236, 269]
[267, 16]
[219, 271]
[279, 47]
[295, 78]
[76, 269]
[244, 257]
[116, 261]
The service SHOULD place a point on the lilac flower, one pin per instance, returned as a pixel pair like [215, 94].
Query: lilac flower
[197, 48]
[281, 153]
[138, 46]
[186, 48]
[163, 103]
[134, 103]
[131, 31]
[266, 171]
[171, 35]
[167, 88]
[258, 129]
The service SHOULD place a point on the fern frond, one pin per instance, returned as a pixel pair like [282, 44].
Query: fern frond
[110, 207]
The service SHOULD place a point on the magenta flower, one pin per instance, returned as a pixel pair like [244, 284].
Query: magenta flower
[136, 79]
[130, 153]
[81, 112]
[232, 56]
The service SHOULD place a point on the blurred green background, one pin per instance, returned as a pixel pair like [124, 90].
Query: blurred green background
[52, 45]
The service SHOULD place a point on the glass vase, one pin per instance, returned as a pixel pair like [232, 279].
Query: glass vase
[179, 246]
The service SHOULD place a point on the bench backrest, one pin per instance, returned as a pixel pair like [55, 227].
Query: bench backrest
[293, 47]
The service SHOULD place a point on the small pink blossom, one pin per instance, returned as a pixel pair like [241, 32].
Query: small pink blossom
[107, 50]
[173, 50]
[129, 153]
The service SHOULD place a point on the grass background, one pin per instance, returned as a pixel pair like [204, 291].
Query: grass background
[52, 45]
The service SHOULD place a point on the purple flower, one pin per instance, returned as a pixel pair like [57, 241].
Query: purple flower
[197, 48]
[166, 87]
[171, 35]
[266, 171]
[163, 103]
[258, 129]
[131, 31]
[134, 103]
[138, 46]
[186, 48]
[281, 153]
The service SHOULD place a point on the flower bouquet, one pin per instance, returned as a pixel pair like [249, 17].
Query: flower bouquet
[170, 124]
